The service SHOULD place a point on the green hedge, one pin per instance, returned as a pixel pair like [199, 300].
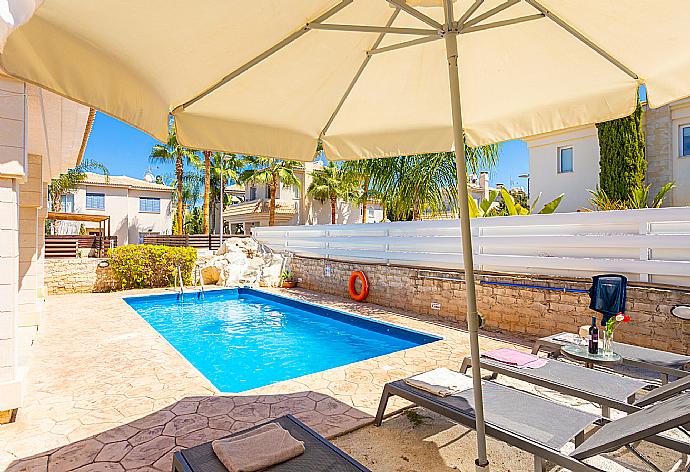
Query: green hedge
[622, 160]
[147, 266]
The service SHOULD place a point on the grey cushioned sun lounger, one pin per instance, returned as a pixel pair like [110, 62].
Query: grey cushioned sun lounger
[596, 386]
[665, 363]
[319, 454]
[542, 427]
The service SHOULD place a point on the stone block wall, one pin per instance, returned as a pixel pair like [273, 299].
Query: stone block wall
[78, 275]
[530, 312]
[658, 148]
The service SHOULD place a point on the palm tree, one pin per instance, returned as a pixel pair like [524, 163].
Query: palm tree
[269, 171]
[230, 165]
[332, 183]
[207, 190]
[482, 157]
[409, 186]
[69, 181]
[172, 151]
[191, 193]
[367, 172]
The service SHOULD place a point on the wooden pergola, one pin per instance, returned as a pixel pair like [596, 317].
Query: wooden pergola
[102, 220]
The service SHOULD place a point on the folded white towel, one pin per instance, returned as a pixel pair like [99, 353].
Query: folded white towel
[442, 382]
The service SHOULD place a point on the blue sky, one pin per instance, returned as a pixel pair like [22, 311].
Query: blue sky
[125, 151]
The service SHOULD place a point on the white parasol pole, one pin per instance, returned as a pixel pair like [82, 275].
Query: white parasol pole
[481, 463]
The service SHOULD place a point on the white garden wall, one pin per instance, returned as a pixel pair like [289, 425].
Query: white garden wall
[651, 245]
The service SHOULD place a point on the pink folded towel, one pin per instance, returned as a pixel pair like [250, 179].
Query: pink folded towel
[516, 358]
[257, 449]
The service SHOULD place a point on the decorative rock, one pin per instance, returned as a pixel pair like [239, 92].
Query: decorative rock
[210, 274]
[242, 262]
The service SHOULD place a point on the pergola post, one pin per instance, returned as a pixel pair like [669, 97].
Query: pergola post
[481, 463]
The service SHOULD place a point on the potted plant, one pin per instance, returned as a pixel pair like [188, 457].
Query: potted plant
[288, 279]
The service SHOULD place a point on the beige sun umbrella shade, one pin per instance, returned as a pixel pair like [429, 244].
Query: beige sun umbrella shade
[271, 77]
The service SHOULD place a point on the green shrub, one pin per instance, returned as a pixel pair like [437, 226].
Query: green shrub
[147, 266]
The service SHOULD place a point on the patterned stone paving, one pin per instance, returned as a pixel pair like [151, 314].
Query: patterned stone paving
[105, 392]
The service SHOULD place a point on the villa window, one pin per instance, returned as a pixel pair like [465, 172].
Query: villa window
[67, 203]
[295, 192]
[95, 201]
[565, 160]
[252, 193]
[149, 205]
[685, 141]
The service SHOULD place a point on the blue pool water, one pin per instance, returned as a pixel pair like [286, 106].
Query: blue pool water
[243, 338]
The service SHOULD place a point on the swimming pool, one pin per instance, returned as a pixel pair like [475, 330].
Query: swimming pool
[241, 339]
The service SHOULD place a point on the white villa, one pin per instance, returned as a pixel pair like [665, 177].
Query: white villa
[136, 207]
[568, 161]
[294, 206]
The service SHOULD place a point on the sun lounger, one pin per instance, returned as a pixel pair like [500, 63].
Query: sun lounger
[596, 386]
[665, 363]
[319, 454]
[542, 427]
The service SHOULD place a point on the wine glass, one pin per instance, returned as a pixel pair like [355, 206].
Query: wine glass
[583, 335]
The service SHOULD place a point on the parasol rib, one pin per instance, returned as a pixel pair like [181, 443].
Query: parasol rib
[372, 29]
[404, 44]
[488, 14]
[570, 29]
[498, 24]
[470, 11]
[417, 14]
[277, 47]
[358, 74]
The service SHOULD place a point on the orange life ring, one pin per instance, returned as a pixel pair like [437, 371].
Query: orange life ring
[361, 296]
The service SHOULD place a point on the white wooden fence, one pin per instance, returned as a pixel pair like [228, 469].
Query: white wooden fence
[650, 245]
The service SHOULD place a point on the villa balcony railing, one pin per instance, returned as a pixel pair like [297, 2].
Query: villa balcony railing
[258, 211]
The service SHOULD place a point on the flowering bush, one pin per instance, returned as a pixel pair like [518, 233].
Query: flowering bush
[147, 266]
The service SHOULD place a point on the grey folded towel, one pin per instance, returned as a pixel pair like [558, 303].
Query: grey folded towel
[258, 449]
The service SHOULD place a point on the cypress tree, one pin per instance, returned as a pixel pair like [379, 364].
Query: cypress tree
[622, 155]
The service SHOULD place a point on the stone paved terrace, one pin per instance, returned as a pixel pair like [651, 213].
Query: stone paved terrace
[105, 392]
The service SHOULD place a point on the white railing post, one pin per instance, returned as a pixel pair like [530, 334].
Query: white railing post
[645, 229]
[387, 247]
[477, 232]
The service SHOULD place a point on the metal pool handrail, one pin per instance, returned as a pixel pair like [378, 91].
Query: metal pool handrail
[199, 280]
[178, 276]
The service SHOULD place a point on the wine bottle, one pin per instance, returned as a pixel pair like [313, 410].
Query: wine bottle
[594, 337]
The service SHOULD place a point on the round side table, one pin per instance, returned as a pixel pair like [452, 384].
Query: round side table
[581, 353]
